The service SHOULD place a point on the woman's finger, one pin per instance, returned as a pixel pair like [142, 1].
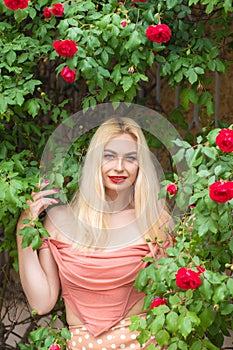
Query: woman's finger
[42, 194]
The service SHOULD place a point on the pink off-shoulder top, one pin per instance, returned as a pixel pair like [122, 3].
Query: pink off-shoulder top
[99, 286]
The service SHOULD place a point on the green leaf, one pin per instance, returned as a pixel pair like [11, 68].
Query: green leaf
[162, 337]
[220, 293]
[3, 151]
[171, 3]
[126, 83]
[227, 309]
[178, 156]
[211, 137]
[210, 152]
[191, 75]
[209, 345]
[197, 345]
[157, 324]
[65, 333]
[11, 57]
[20, 15]
[134, 41]
[185, 326]
[3, 103]
[32, 106]
[230, 286]
[206, 289]
[171, 322]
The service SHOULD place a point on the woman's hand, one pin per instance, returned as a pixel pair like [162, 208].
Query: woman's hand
[39, 202]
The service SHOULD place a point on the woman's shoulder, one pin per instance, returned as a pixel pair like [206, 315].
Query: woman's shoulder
[57, 218]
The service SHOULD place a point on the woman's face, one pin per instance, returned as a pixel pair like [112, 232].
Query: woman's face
[120, 164]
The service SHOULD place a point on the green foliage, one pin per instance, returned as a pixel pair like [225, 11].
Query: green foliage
[106, 50]
[196, 318]
[42, 338]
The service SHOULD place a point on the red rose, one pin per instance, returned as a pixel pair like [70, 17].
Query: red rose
[55, 347]
[57, 9]
[188, 279]
[66, 48]
[158, 301]
[221, 191]
[159, 33]
[123, 23]
[16, 4]
[47, 12]
[224, 140]
[171, 188]
[68, 74]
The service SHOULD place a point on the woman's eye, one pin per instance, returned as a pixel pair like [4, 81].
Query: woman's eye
[108, 156]
[131, 158]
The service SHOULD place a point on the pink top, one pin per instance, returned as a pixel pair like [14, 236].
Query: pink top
[98, 286]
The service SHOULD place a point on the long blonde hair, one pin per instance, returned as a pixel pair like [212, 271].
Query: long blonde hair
[89, 204]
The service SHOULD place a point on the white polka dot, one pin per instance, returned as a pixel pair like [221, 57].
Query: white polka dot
[87, 336]
[122, 322]
[77, 331]
[133, 336]
[122, 328]
[99, 341]
[73, 343]
[103, 349]
[113, 346]
[84, 328]
[84, 348]
[122, 346]
[72, 334]
[112, 328]
[132, 346]
[90, 345]
[109, 337]
[80, 340]
[152, 337]
[122, 336]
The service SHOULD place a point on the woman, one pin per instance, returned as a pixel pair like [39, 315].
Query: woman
[97, 242]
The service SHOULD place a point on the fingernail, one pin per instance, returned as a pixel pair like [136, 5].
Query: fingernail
[57, 200]
[47, 182]
[56, 189]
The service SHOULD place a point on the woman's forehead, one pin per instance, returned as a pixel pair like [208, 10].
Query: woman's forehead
[123, 142]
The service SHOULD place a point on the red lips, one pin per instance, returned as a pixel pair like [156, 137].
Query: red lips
[117, 179]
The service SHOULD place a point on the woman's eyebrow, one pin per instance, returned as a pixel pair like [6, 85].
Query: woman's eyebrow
[109, 150]
[113, 152]
[129, 153]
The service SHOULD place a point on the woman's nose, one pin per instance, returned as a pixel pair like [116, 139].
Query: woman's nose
[119, 164]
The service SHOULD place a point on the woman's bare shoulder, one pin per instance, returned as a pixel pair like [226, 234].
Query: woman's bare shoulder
[57, 218]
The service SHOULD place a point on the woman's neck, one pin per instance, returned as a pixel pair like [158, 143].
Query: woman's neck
[120, 201]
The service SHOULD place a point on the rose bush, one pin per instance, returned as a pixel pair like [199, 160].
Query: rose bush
[196, 277]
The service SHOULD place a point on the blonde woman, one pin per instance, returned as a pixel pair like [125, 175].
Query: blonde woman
[97, 242]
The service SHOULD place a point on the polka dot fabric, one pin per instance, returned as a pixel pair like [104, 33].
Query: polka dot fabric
[118, 337]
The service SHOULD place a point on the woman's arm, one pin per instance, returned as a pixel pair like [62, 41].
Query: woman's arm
[38, 272]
